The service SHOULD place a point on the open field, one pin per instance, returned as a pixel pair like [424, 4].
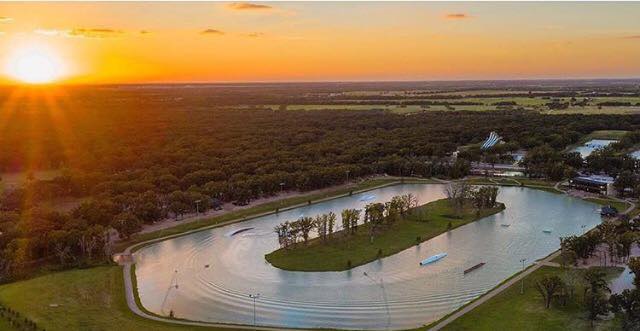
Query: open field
[88, 299]
[511, 310]
[487, 100]
[606, 134]
[424, 223]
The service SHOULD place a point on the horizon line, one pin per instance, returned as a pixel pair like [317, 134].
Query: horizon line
[283, 82]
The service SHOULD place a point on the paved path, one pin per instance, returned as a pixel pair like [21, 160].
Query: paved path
[128, 263]
[494, 292]
[514, 280]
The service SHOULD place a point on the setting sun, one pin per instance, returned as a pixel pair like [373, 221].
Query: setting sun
[35, 65]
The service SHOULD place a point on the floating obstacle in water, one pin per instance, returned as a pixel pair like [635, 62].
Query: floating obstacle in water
[235, 232]
[547, 231]
[368, 197]
[505, 225]
[475, 267]
[433, 259]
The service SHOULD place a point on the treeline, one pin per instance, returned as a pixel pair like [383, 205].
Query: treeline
[138, 157]
[378, 216]
[613, 241]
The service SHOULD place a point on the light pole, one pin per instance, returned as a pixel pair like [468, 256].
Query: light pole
[348, 171]
[583, 226]
[198, 206]
[522, 284]
[281, 187]
[254, 297]
[384, 296]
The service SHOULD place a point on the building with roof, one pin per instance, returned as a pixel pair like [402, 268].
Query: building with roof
[594, 183]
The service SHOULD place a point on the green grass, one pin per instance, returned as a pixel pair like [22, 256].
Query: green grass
[511, 310]
[607, 134]
[536, 184]
[88, 299]
[266, 208]
[4, 325]
[620, 206]
[426, 222]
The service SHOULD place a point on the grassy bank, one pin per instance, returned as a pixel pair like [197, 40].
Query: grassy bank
[537, 184]
[619, 205]
[425, 222]
[87, 299]
[511, 310]
[267, 208]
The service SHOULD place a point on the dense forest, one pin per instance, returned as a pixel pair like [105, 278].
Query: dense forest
[141, 155]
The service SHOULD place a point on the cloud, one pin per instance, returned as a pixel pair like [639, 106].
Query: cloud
[50, 32]
[637, 36]
[144, 32]
[247, 6]
[254, 34]
[80, 32]
[457, 16]
[94, 33]
[212, 31]
[4, 19]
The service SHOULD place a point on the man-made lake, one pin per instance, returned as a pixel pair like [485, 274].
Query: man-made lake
[215, 272]
[591, 145]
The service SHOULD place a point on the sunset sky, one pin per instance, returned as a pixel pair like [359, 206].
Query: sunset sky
[310, 41]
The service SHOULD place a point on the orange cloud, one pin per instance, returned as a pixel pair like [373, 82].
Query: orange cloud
[457, 16]
[247, 6]
[212, 31]
[632, 37]
[94, 33]
[4, 19]
[254, 34]
[80, 32]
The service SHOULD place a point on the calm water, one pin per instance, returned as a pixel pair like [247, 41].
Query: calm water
[591, 145]
[414, 295]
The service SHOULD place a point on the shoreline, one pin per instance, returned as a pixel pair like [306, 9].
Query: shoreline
[282, 258]
[130, 282]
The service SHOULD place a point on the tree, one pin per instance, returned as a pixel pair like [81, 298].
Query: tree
[625, 180]
[627, 303]
[457, 193]
[331, 221]
[548, 287]
[374, 215]
[594, 293]
[126, 224]
[305, 225]
[346, 223]
[596, 304]
[351, 217]
[320, 223]
[634, 265]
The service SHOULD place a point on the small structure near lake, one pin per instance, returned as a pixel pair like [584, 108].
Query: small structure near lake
[608, 211]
